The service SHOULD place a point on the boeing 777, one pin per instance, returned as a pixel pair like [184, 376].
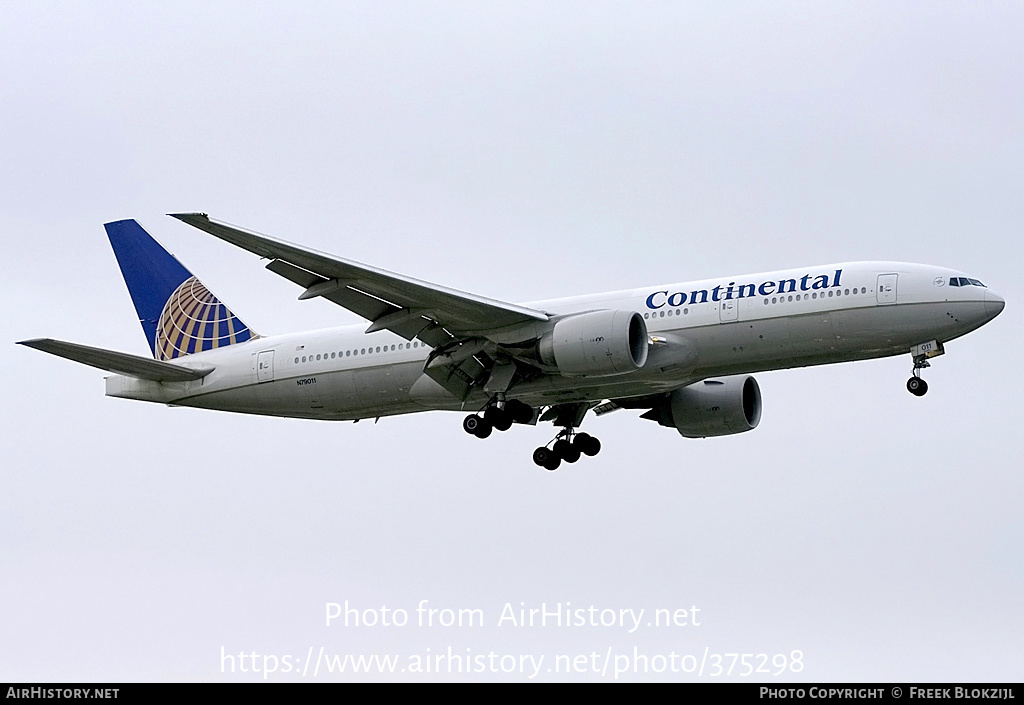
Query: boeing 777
[682, 353]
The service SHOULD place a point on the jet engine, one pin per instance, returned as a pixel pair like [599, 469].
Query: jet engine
[596, 344]
[712, 407]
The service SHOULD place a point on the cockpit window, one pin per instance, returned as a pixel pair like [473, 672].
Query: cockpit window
[964, 281]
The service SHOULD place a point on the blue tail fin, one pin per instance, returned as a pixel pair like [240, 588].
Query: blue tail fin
[179, 315]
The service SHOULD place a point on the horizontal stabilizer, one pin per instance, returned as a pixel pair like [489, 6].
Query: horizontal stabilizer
[119, 362]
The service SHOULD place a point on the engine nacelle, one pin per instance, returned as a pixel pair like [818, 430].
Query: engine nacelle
[596, 344]
[713, 407]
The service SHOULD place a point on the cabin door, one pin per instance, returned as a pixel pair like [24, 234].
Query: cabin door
[886, 292]
[265, 366]
[729, 310]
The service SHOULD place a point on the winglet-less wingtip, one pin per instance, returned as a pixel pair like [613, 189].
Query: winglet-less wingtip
[190, 218]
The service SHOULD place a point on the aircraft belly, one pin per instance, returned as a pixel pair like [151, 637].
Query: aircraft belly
[386, 386]
[813, 335]
[751, 344]
[893, 330]
[245, 399]
[282, 397]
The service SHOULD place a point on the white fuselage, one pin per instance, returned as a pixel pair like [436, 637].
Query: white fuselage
[711, 328]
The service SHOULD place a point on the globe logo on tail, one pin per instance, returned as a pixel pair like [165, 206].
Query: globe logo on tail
[193, 319]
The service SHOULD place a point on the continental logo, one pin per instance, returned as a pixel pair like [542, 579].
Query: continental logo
[193, 320]
[730, 291]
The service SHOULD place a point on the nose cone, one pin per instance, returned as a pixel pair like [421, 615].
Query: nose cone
[993, 304]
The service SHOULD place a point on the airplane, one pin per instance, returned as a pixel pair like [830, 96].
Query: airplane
[682, 353]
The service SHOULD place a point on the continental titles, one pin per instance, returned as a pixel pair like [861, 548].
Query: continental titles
[730, 291]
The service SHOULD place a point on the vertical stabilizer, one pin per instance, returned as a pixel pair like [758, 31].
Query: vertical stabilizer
[179, 315]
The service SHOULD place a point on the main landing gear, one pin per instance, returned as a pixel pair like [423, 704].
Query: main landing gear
[568, 446]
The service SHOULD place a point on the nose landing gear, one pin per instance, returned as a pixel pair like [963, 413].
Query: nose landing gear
[915, 385]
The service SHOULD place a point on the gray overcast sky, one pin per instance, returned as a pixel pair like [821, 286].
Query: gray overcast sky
[520, 151]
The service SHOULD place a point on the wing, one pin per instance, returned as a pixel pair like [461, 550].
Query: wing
[119, 362]
[408, 307]
[466, 331]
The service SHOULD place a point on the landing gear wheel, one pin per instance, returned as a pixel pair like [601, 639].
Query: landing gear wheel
[521, 412]
[587, 444]
[917, 386]
[476, 425]
[546, 458]
[567, 446]
[566, 451]
[501, 419]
